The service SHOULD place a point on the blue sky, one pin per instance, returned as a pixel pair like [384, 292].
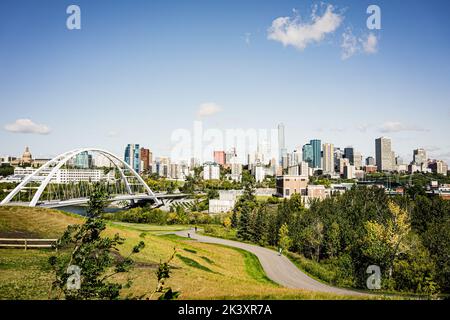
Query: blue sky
[138, 70]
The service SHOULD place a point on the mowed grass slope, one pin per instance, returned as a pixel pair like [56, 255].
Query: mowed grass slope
[200, 270]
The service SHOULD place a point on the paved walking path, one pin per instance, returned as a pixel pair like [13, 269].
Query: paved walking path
[278, 268]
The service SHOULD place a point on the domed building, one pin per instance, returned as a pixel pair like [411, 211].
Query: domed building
[27, 158]
[28, 161]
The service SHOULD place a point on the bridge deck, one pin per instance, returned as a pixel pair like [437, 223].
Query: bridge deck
[79, 201]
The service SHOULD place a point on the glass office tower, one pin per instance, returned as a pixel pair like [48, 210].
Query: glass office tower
[133, 156]
[317, 152]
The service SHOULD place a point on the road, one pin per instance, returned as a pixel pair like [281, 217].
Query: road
[278, 268]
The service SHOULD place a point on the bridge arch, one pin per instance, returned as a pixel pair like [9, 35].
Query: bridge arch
[61, 160]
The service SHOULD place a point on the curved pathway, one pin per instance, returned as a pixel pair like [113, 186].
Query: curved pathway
[278, 268]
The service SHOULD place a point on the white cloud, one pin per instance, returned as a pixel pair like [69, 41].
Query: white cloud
[352, 45]
[432, 148]
[294, 32]
[393, 126]
[208, 109]
[370, 44]
[349, 44]
[443, 156]
[27, 126]
[112, 134]
[363, 127]
[247, 37]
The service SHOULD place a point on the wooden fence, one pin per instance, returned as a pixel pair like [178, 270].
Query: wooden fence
[28, 243]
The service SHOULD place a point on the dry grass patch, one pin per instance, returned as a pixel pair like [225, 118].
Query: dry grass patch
[25, 275]
[35, 222]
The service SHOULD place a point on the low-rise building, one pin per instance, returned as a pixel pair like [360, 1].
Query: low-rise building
[342, 163]
[67, 175]
[260, 173]
[438, 166]
[300, 169]
[288, 185]
[211, 171]
[370, 169]
[341, 188]
[359, 174]
[316, 192]
[220, 206]
[265, 191]
[226, 201]
[349, 172]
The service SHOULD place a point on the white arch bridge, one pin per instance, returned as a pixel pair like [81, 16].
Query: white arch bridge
[129, 185]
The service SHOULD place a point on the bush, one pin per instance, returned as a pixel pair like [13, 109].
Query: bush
[157, 216]
[139, 215]
[317, 270]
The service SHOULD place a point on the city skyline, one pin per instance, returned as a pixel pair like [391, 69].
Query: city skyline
[317, 156]
[239, 74]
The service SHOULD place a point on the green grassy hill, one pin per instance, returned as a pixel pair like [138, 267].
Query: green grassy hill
[201, 271]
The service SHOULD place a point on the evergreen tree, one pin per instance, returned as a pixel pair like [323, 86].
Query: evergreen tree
[244, 231]
[260, 226]
[234, 219]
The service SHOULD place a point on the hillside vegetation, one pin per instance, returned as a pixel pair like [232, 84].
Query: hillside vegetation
[200, 270]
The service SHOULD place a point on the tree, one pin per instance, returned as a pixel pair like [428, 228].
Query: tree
[6, 170]
[92, 255]
[245, 205]
[98, 200]
[171, 187]
[189, 185]
[94, 260]
[244, 231]
[234, 219]
[247, 178]
[333, 239]
[284, 242]
[437, 240]
[162, 274]
[212, 194]
[415, 270]
[260, 226]
[181, 215]
[313, 237]
[226, 223]
[384, 242]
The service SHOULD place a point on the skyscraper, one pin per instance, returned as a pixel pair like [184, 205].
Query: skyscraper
[260, 173]
[439, 166]
[357, 160]
[338, 154]
[281, 142]
[370, 161]
[349, 154]
[81, 160]
[383, 154]
[132, 156]
[419, 156]
[343, 162]
[229, 155]
[285, 161]
[219, 157]
[146, 159]
[236, 166]
[307, 154]
[211, 171]
[296, 156]
[317, 153]
[328, 157]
